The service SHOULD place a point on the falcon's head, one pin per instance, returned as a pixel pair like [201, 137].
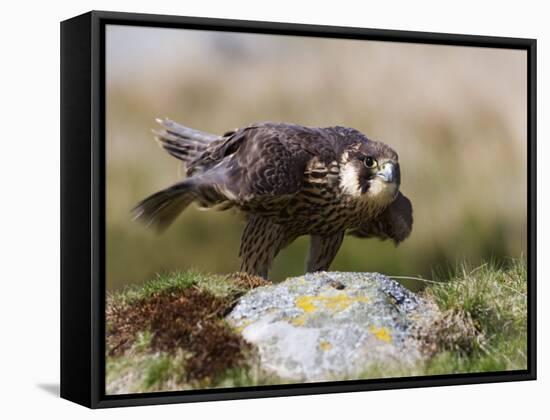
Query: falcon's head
[370, 171]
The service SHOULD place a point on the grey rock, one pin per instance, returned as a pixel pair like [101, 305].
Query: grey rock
[331, 325]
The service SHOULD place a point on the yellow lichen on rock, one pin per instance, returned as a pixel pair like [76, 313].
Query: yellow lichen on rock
[325, 345]
[336, 303]
[240, 328]
[332, 302]
[299, 320]
[305, 303]
[382, 333]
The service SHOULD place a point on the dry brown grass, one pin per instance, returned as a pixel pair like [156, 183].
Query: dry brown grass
[449, 331]
[247, 281]
[188, 320]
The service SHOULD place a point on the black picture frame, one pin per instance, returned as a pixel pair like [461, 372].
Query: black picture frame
[83, 207]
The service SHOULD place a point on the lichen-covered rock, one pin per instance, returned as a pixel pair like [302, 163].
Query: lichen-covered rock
[331, 325]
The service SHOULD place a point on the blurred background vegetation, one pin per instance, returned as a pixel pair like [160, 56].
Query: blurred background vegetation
[457, 116]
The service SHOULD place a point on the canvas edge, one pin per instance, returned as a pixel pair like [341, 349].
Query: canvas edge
[88, 314]
[76, 187]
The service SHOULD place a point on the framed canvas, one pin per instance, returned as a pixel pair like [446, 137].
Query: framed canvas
[400, 166]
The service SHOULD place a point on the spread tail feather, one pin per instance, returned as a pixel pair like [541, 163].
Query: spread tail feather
[183, 143]
[162, 208]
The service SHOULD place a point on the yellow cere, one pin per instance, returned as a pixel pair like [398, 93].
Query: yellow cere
[382, 333]
[325, 345]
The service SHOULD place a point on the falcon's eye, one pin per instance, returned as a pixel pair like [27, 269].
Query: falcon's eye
[370, 162]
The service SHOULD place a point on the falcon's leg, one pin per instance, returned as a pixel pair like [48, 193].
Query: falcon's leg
[322, 250]
[260, 243]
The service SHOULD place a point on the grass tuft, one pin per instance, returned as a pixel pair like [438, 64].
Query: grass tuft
[494, 297]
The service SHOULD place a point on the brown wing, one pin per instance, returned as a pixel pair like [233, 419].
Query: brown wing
[263, 160]
[394, 223]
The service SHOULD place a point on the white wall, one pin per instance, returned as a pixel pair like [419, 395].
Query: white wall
[29, 177]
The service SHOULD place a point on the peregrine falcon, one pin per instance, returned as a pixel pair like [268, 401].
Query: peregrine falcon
[288, 180]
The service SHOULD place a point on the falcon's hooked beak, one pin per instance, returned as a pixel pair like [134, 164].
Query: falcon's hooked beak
[387, 172]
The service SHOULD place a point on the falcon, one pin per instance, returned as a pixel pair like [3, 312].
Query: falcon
[288, 180]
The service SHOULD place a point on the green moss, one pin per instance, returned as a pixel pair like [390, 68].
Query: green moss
[159, 371]
[177, 281]
[146, 350]
[140, 371]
